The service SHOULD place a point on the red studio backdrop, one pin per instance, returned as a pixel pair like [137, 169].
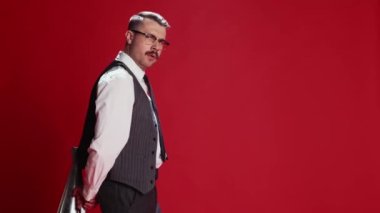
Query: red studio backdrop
[267, 106]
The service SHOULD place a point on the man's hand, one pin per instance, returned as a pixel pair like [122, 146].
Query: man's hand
[80, 202]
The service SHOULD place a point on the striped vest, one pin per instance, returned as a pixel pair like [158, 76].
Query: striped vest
[135, 165]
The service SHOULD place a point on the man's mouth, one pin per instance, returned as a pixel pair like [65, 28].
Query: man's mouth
[152, 54]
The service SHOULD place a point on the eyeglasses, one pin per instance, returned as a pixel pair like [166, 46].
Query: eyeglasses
[151, 39]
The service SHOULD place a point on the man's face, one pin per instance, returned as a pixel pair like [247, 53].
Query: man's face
[141, 49]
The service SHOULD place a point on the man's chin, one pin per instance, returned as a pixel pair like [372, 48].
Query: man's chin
[150, 63]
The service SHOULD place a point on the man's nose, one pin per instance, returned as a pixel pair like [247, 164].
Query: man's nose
[156, 46]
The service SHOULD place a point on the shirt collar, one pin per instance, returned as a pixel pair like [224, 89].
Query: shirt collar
[127, 60]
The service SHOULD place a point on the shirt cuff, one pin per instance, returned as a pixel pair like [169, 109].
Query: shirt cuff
[89, 194]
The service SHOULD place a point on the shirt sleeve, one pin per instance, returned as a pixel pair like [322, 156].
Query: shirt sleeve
[114, 104]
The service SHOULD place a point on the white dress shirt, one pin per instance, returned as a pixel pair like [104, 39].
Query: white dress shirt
[114, 104]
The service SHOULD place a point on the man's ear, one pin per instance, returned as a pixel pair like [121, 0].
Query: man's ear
[129, 36]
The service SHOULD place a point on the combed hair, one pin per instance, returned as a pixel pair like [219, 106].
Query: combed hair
[135, 20]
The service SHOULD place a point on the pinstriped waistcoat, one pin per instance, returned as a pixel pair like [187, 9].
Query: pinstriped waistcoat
[135, 165]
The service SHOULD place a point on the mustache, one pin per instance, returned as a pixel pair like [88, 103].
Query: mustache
[154, 53]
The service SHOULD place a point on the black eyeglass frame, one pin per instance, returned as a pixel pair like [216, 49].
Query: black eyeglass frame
[161, 41]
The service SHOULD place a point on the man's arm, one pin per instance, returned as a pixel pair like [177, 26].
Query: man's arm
[114, 104]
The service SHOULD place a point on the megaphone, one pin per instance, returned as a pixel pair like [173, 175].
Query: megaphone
[67, 203]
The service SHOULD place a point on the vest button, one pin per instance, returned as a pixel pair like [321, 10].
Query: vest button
[154, 139]
[151, 181]
[151, 167]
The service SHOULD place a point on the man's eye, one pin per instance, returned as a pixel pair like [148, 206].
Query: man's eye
[151, 37]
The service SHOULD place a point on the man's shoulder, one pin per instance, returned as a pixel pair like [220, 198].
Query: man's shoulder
[115, 74]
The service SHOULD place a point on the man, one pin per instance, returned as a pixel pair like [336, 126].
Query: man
[122, 145]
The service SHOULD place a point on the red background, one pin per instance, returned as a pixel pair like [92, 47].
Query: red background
[267, 106]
